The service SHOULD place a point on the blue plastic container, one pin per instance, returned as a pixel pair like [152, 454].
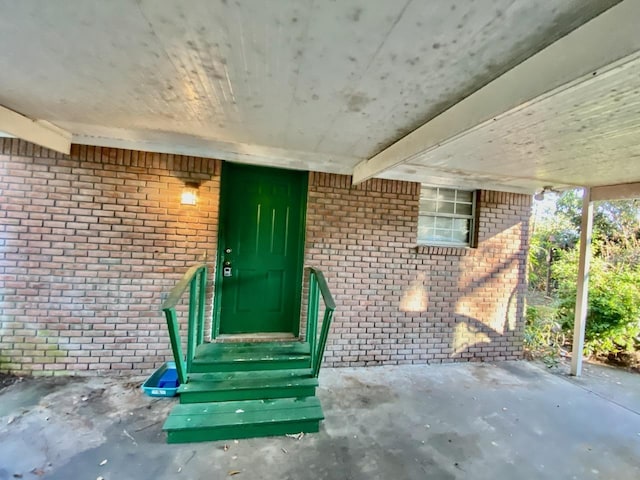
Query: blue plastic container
[163, 382]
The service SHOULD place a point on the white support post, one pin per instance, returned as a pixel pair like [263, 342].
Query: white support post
[582, 296]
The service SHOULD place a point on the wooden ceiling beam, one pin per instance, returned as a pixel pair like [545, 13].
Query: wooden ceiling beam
[39, 132]
[625, 191]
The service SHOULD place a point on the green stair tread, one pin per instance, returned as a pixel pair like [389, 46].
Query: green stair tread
[243, 419]
[247, 405]
[252, 352]
[295, 347]
[242, 375]
[254, 357]
[244, 431]
[243, 413]
[211, 382]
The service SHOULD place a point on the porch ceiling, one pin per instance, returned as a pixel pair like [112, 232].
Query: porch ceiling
[318, 85]
[585, 135]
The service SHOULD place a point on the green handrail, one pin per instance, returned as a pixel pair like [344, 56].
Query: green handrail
[196, 280]
[318, 287]
[312, 310]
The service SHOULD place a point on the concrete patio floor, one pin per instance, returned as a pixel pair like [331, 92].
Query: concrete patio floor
[511, 420]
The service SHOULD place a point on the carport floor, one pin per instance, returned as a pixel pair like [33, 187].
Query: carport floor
[465, 421]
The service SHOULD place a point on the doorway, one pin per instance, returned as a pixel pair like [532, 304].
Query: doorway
[260, 250]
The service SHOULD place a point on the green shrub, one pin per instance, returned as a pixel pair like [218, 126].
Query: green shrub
[614, 302]
[538, 248]
[543, 335]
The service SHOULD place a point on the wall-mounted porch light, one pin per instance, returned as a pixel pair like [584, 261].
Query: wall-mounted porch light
[189, 194]
[539, 196]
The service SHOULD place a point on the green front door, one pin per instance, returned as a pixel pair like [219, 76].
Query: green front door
[261, 245]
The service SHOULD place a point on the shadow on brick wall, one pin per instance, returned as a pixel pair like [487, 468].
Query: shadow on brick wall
[398, 303]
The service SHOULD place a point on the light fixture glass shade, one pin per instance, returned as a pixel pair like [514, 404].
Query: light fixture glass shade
[189, 195]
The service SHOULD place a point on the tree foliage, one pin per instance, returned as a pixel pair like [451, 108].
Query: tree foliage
[613, 222]
[614, 283]
[614, 302]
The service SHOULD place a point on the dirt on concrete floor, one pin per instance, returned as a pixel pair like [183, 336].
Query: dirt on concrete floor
[7, 379]
[47, 421]
[503, 421]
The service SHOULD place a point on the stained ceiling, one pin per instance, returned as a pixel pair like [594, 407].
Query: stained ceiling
[318, 85]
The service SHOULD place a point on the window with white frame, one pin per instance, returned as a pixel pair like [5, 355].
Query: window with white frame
[446, 216]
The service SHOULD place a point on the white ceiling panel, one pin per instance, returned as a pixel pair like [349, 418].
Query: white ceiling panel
[584, 134]
[319, 85]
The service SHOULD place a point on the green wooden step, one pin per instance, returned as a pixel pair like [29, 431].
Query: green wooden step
[225, 386]
[199, 422]
[233, 357]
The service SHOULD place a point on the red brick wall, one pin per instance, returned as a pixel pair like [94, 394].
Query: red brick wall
[471, 300]
[89, 245]
[91, 242]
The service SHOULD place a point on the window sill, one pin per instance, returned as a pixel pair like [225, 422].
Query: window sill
[459, 251]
